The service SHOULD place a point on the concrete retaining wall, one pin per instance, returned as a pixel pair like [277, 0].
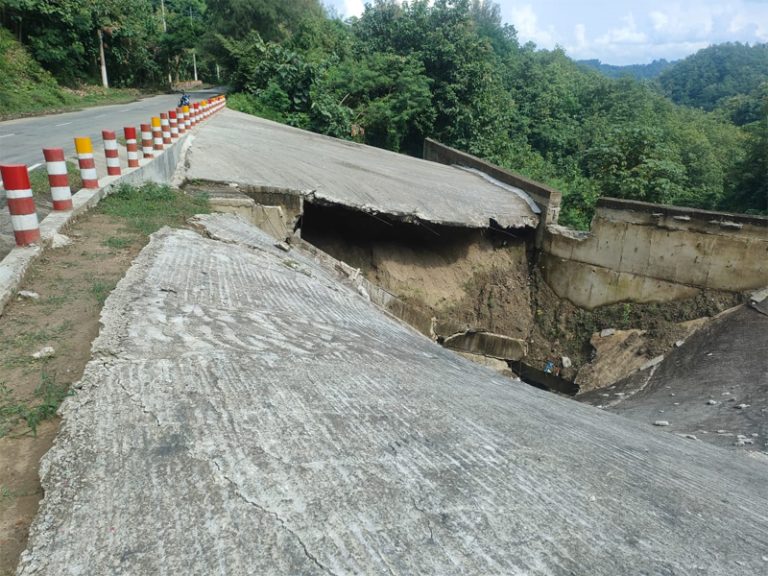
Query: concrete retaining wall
[644, 252]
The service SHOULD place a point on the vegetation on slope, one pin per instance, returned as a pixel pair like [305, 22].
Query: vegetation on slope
[636, 71]
[447, 69]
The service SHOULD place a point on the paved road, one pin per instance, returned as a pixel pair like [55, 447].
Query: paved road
[22, 140]
[247, 413]
[253, 151]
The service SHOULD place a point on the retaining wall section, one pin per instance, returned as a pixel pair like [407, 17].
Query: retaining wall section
[548, 199]
[644, 252]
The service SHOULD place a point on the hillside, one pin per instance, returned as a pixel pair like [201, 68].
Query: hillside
[732, 77]
[636, 71]
[25, 86]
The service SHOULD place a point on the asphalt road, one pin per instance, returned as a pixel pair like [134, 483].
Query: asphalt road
[22, 140]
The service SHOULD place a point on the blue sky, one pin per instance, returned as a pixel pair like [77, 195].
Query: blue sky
[626, 31]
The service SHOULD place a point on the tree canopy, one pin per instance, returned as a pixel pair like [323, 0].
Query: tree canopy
[447, 69]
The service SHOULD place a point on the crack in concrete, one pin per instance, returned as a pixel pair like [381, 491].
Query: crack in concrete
[137, 400]
[277, 517]
[426, 517]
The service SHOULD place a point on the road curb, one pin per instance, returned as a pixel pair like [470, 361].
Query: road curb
[159, 169]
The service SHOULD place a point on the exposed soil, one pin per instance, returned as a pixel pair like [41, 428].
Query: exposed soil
[468, 279]
[563, 329]
[72, 283]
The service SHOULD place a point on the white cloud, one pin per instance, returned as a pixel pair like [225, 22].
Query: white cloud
[353, 7]
[626, 34]
[526, 22]
[660, 20]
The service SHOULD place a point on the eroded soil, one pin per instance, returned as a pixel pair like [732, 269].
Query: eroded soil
[72, 283]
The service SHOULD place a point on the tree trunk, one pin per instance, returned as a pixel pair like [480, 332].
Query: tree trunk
[103, 61]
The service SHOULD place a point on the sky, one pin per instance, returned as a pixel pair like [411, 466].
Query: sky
[626, 31]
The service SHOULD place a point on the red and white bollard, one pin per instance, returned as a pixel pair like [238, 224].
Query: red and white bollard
[181, 120]
[187, 117]
[157, 134]
[195, 113]
[56, 165]
[21, 204]
[173, 121]
[84, 150]
[165, 127]
[131, 146]
[146, 141]
[111, 153]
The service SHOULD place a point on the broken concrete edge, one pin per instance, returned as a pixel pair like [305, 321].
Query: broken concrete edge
[487, 344]
[14, 266]
[320, 198]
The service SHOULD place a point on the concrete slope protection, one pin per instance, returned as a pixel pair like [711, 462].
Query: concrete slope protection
[244, 149]
[714, 386]
[246, 413]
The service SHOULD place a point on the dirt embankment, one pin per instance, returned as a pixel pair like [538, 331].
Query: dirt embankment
[487, 281]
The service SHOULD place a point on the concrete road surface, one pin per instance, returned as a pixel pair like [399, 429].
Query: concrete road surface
[22, 140]
[238, 147]
[246, 413]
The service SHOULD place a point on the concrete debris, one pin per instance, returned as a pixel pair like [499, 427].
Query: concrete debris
[566, 362]
[741, 406]
[259, 420]
[661, 423]
[363, 292]
[604, 333]
[45, 352]
[60, 240]
[488, 344]
[679, 343]
[711, 402]
[284, 246]
[742, 440]
[652, 362]
[29, 295]
[690, 436]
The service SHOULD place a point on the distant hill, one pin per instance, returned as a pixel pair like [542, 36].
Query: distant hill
[730, 76]
[637, 71]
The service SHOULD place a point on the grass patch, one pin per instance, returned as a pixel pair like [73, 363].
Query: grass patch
[151, 206]
[48, 397]
[38, 179]
[117, 242]
[100, 290]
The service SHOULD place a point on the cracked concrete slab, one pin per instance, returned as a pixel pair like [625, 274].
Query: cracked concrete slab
[246, 413]
[237, 147]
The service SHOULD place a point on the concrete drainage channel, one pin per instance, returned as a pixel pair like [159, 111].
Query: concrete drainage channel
[471, 290]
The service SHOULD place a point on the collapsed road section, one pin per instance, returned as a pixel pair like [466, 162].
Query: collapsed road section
[245, 412]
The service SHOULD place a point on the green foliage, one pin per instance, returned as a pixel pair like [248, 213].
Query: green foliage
[25, 85]
[731, 76]
[636, 71]
[447, 69]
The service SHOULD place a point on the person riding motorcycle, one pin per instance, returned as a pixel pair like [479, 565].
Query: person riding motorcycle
[184, 100]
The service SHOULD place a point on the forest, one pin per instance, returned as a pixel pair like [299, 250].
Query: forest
[693, 133]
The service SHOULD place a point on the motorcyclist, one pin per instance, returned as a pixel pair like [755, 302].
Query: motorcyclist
[184, 99]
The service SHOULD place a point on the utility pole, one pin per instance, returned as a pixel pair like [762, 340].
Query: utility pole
[162, 14]
[194, 63]
[104, 79]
